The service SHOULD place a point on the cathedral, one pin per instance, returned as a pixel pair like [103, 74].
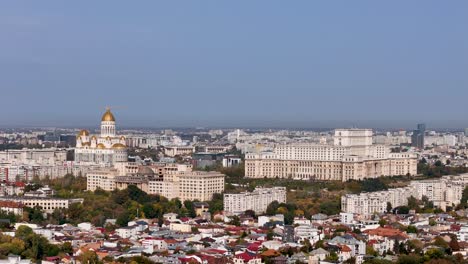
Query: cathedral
[106, 148]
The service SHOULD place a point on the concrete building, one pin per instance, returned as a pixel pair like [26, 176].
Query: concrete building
[417, 139]
[258, 200]
[173, 151]
[351, 157]
[183, 184]
[443, 192]
[231, 160]
[11, 207]
[48, 205]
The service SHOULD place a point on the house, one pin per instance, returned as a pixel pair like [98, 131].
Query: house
[320, 253]
[127, 231]
[201, 208]
[357, 247]
[247, 258]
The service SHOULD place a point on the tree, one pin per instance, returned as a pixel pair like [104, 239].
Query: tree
[389, 207]
[409, 259]
[413, 203]
[123, 219]
[217, 203]
[235, 220]
[250, 213]
[411, 229]
[464, 198]
[382, 222]
[270, 234]
[333, 257]
[89, 257]
[190, 208]
[272, 207]
[402, 210]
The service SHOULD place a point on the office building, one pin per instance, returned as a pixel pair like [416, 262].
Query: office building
[417, 139]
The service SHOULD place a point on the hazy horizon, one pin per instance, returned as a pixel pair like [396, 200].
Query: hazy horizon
[235, 64]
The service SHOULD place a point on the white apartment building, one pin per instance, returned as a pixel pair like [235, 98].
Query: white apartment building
[258, 200]
[184, 184]
[199, 185]
[446, 191]
[103, 179]
[352, 156]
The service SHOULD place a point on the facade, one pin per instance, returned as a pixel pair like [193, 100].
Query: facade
[106, 148]
[48, 205]
[173, 151]
[200, 185]
[258, 200]
[11, 207]
[103, 179]
[351, 157]
[443, 192]
[171, 183]
[417, 139]
[231, 161]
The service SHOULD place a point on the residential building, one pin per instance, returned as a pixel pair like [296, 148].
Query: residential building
[258, 200]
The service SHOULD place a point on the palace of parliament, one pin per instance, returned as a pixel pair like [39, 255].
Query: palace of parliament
[106, 148]
[352, 156]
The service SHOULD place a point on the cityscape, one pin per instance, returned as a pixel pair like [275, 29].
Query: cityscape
[233, 133]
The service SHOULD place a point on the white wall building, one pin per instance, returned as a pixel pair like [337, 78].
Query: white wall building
[352, 156]
[107, 148]
[258, 200]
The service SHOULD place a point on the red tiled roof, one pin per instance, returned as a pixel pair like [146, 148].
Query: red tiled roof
[385, 232]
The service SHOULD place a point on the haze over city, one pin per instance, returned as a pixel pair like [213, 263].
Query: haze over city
[308, 64]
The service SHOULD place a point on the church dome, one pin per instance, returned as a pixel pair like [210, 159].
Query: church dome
[84, 132]
[108, 116]
[101, 146]
[144, 170]
[119, 146]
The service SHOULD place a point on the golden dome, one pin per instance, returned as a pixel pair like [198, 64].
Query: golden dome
[108, 116]
[122, 138]
[119, 146]
[101, 146]
[84, 132]
[93, 138]
[86, 144]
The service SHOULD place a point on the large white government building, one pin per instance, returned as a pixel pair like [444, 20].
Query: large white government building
[352, 156]
[106, 148]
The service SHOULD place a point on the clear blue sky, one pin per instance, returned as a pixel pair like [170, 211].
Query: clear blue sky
[235, 63]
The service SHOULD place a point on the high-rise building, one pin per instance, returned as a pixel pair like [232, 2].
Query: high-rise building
[466, 132]
[417, 140]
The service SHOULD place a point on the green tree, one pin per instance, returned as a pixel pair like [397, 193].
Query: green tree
[389, 207]
[411, 229]
[272, 208]
[89, 257]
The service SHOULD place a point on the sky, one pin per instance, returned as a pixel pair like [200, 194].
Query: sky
[386, 64]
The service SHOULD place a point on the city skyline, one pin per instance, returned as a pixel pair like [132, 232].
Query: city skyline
[262, 64]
